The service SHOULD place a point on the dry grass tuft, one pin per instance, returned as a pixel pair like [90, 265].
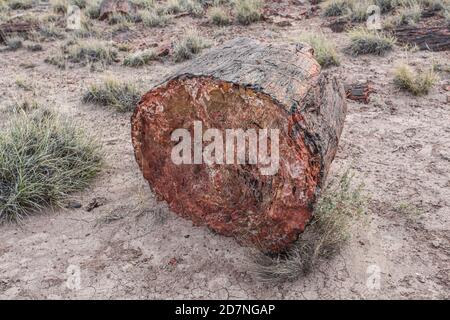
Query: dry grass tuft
[219, 16]
[152, 19]
[59, 6]
[189, 45]
[33, 47]
[140, 58]
[123, 97]
[25, 106]
[339, 204]
[20, 4]
[144, 4]
[409, 15]
[92, 11]
[248, 11]
[386, 5]
[359, 10]
[365, 41]
[43, 158]
[336, 8]
[193, 7]
[90, 51]
[417, 83]
[57, 60]
[79, 3]
[324, 49]
[51, 31]
[14, 43]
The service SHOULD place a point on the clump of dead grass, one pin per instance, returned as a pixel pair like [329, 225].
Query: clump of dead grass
[51, 31]
[339, 204]
[324, 49]
[189, 45]
[20, 4]
[24, 106]
[417, 83]
[43, 158]
[56, 60]
[152, 19]
[336, 8]
[409, 15]
[59, 6]
[93, 10]
[33, 47]
[140, 58]
[79, 3]
[122, 97]
[91, 51]
[14, 43]
[173, 6]
[144, 4]
[193, 7]
[359, 10]
[248, 11]
[386, 5]
[218, 16]
[21, 83]
[363, 41]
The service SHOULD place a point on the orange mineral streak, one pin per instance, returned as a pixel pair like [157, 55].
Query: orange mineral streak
[266, 211]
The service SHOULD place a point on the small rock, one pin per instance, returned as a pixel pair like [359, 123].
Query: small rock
[173, 262]
[420, 278]
[73, 205]
[95, 203]
[164, 50]
[284, 23]
[435, 244]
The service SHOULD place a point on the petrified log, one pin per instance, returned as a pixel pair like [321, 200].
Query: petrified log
[16, 27]
[436, 38]
[243, 84]
[124, 7]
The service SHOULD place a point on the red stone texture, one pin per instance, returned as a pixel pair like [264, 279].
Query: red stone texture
[265, 211]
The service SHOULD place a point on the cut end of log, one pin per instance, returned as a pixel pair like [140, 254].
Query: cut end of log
[265, 204]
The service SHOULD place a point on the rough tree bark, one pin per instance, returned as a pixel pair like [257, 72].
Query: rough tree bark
[249, 85]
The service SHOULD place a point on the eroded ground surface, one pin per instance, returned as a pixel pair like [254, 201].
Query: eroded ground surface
[132, 246]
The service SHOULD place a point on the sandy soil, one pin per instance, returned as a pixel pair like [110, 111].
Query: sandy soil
[132, 246]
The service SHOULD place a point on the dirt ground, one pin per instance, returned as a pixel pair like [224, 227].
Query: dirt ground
[132, 246]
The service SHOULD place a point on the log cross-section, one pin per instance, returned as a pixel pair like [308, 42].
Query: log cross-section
[244, 84]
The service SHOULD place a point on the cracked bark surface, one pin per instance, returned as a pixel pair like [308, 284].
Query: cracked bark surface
[244, 84]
